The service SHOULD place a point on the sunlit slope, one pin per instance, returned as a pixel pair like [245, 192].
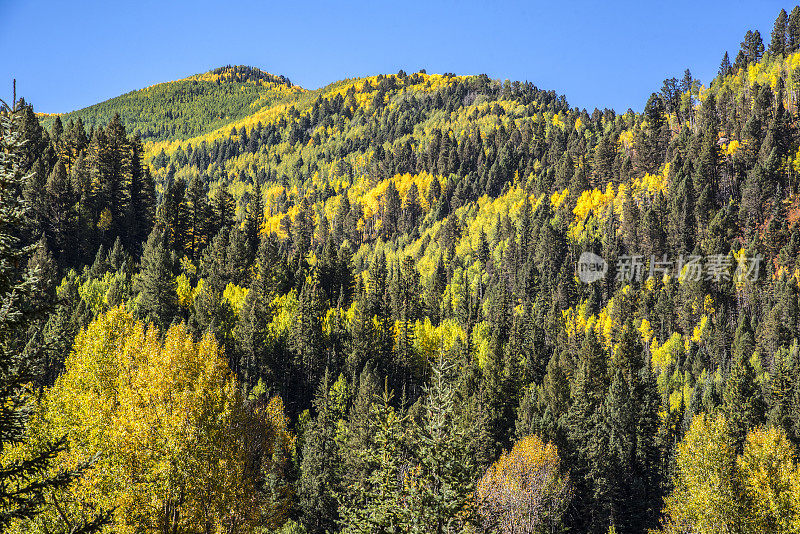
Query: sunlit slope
[191, 106]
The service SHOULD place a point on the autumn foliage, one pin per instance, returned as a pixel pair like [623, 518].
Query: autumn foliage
[525, 490]
[175, 444]
[717, 490]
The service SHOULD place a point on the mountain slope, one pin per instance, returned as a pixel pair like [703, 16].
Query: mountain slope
[190, 106]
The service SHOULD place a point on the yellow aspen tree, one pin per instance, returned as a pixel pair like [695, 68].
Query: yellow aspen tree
[177, 447]
[525, 490]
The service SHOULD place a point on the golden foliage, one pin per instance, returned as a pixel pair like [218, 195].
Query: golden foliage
[174, 438]
[525, 490]
[716, 491]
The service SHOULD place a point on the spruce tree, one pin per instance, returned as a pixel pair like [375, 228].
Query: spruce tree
[793, 31]
[60, 212]
[381, 505]
[780, 390]
[318, 482]
[443, 480]
[196, 217]
[743, 402]
[307, 339]
[142, 197]
[24, 481]
[725, 67]
[777, 45]
[155, 282]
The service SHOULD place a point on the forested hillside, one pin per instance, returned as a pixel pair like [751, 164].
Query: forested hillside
[190, 106]
[365, 308]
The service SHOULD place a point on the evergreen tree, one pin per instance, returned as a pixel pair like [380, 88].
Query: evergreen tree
[196, 218]
[743, 403]
[443, 481]
[777, 45]
[142, 197]
[60, 212]
[725, 67]
[384, 493]
[24, 481]
[111, 160]
[155, 282]
[318, 481]
[223, 210]
[307, 339]
[793, 31]
[391, 210]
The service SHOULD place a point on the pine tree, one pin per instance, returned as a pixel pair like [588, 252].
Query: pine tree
[793, 31]
[23, 480]
[307, 339]
[443, 480]
[255, 213]
[780, 390]
[60, 212]
[725, 67]
[651, 138]
[411, 211]
[743, 403]
[777, 45]
[196, 218]
[142, 197]
[173, 216]
[434, 292]
[155, 282]
[384, 492]
[319, 477]
[391, 210]
[589, 389]
[111, 159]
[223, 210]
[271, 280]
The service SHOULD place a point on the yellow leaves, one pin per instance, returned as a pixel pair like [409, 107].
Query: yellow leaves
[626, 138]
[731, 148]
[652, 183]
[771, 480]
[796, 161]
[667, 353]
[646, 331]
[165, 418]
[234, 296]
[99, 294]
[703, 499]
[431, 340]
[525, 490]
[699, 330]
[593, 201]
[104, 222]
[557, 198]
[716, 491]
[373, 198]
[480, 340]
[186, 293]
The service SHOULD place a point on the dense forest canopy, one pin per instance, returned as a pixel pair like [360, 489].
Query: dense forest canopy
[253, 307]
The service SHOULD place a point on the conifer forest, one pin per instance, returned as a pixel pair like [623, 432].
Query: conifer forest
[405, 303]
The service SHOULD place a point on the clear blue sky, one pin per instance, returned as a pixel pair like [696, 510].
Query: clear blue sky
[70, 54]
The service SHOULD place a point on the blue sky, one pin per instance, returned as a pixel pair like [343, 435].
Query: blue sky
[68, 55]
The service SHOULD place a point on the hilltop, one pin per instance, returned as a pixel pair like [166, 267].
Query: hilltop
[190, 106]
